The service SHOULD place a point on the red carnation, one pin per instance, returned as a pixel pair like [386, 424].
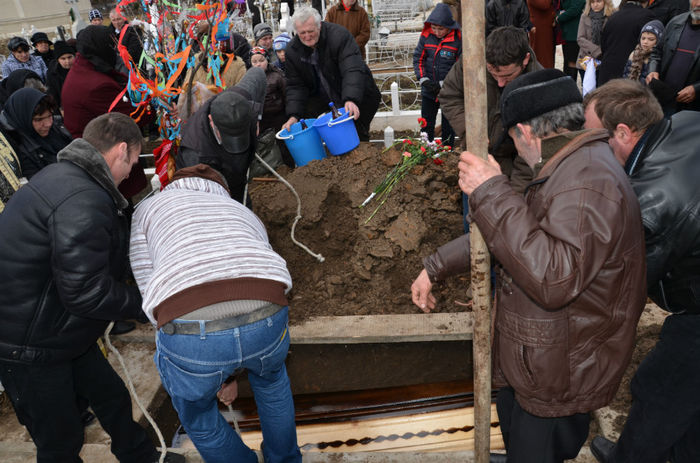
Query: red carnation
[438, 161]
[422, 122]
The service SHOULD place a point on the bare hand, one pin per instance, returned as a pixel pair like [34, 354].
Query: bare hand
[352, 109]
[172, 109]
[473, 171]
[421, 294]
[288, 125]
[651, 76]
[687, 95]
[228, 392]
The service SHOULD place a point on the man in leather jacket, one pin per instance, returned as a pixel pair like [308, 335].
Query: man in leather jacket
[63, 252]
[662, 158]
[570, 257]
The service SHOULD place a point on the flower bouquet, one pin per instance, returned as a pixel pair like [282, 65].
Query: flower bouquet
[415, 151]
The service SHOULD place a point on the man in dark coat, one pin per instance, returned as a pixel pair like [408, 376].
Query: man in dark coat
[64, 252]
[131, 39]
[222, 133]
[619, 37]
[324, 65]
[676, 60]
[662, 158]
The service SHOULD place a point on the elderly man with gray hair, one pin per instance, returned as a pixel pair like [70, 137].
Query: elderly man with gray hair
[324, 65]
[569, 259]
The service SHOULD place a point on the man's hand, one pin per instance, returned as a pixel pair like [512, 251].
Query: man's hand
[352, 109]
[228, 392]
[288, 125]
[420, 292]
[473, 171]
[687, 95]
[651, 76]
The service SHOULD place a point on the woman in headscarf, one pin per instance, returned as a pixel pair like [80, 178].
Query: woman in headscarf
[19, 79]
[92, 84]
[27, 120]
[58, 69]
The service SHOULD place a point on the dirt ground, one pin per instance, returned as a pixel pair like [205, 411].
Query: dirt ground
[368, 268]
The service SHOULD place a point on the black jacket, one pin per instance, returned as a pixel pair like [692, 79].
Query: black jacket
[199, 145]
[665, 10]
[662, 55]
[64, 247]
[501, 13]
[664, 168]
[341, 64]
[619, 37]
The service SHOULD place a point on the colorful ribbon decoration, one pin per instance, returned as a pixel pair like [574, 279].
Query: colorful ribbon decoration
[171, 56]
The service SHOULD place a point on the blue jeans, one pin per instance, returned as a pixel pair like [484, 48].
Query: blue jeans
[193, 368]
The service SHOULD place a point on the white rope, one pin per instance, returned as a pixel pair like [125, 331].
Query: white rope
[319, 257]
[132, 389]
[235, 421]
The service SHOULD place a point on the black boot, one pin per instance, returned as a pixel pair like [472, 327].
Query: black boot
[602, 449]
[497, 458]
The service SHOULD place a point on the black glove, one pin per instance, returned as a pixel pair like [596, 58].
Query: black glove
[431, 86]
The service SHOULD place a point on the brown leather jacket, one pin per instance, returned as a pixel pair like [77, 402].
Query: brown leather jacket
[571, 283]
[500, 144]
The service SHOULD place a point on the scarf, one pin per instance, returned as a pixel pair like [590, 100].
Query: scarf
[597, 20]
[639, 57]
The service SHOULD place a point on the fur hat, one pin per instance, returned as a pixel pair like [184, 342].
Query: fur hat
[94, 14]
[656, 27]
[536, 93]
[17, 42]
[40, 37]
[261, 30]
[61, 48]
[281, 41]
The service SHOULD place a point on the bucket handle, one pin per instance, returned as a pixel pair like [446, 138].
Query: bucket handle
[280, 137]
[331, 123]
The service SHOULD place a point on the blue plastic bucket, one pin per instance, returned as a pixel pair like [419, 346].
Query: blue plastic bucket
[339, 134]
[305, 145]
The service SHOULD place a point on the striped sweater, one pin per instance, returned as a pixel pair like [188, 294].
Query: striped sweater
[193, 246]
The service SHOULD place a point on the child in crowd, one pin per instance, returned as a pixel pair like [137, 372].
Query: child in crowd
[280, 45]
[439, 47]
[590, 27]
[275, 95]
[637, 66]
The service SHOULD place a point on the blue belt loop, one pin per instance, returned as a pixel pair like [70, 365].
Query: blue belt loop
[202, 329]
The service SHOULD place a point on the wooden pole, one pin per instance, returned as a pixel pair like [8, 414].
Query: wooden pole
[475, 118]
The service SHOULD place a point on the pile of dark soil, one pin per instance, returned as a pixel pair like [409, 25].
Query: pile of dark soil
[368, 267]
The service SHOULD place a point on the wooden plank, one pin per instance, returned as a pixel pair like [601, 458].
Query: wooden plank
[357, 329]
[450, 430]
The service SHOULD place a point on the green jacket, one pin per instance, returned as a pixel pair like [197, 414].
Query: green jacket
[568, 18]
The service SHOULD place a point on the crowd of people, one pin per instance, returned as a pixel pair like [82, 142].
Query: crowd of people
[587, 204]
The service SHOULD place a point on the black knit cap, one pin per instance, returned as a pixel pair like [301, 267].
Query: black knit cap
[536, 93]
